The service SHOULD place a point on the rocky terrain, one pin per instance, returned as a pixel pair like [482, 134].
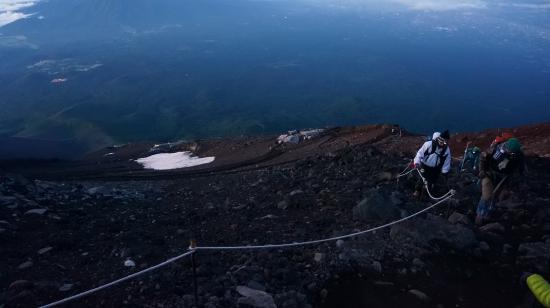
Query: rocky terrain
[66, 227]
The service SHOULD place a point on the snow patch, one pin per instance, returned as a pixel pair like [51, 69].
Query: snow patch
[167, 161]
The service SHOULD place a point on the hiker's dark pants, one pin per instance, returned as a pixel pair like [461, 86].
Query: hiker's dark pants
[431, 174]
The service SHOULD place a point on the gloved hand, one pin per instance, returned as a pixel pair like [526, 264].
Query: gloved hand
[412, 165]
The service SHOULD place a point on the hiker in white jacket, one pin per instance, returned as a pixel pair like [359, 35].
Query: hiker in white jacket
[433, 158]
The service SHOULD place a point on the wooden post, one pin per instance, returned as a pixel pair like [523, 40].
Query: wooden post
[193, 244]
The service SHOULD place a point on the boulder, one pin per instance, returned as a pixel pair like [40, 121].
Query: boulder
[434, 229]
[375, 207]
[457, 217]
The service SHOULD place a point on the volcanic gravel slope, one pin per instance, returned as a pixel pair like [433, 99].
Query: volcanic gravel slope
[60, 237]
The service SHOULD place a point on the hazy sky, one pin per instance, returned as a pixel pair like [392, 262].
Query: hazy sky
[12, 10]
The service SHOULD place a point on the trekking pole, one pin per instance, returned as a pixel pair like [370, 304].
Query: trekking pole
[498, 185]
[461, 167]
[193, 245]
[493, 196]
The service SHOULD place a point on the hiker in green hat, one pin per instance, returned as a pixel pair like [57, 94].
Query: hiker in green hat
[497, 165]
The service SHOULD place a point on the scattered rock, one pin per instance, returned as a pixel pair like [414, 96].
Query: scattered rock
[66, 287]
[418, 263]
[44, 250]
[296, 192]
[25, 265]
[323, 294]
[7, 200]
[268, 216]
[534, 256]
[318, 257]
[484, 246]
[507, 249]
[340, 243]
[494, 227]
[377, 266]
[419, 294]
[383, 283]
[385, 176]
[36, 211]
[94, 190]
[129, 263]
[255, 298]
[21, 284]
[283, 205]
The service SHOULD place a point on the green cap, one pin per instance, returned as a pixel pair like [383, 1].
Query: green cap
[513, 145]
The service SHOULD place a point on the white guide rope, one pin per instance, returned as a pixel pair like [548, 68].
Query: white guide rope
[79, 295]
[449, 194]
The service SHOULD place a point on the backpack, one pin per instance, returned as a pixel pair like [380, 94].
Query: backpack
[442, 156]
[471, 160]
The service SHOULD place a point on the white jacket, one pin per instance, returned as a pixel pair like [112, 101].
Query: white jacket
[433, 160]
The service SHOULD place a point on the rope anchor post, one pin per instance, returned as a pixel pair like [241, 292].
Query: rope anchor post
[192, 247]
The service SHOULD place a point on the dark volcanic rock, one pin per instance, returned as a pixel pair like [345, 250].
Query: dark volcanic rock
[459, 218]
